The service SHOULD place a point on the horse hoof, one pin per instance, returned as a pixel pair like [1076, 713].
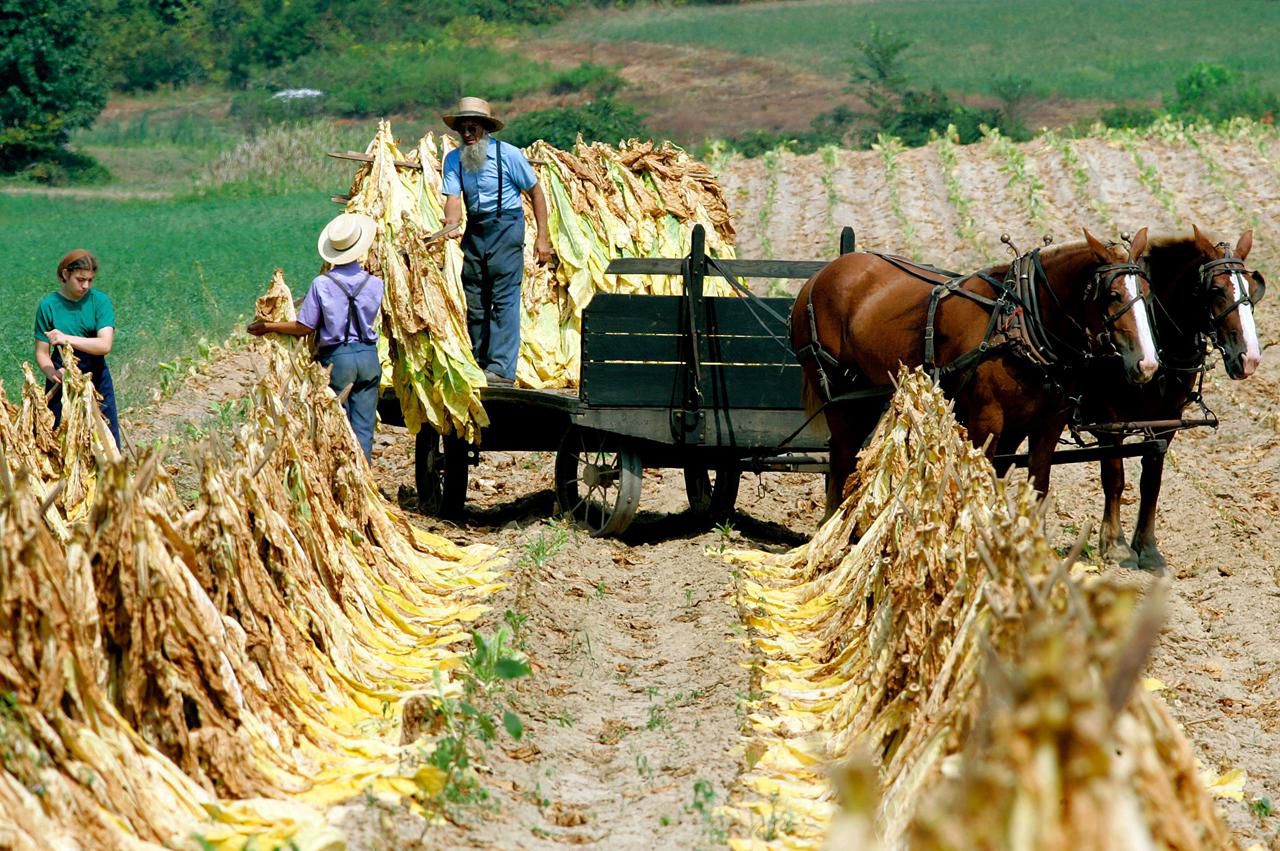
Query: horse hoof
[1152, 561]
[1120, 553]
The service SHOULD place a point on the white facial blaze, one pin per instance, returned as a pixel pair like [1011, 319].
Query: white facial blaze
[1239, 291]
[1145, 341]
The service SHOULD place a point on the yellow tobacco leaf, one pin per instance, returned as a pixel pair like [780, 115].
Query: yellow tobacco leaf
[1227, 785]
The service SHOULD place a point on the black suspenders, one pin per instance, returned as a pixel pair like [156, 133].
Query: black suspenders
[353, 318]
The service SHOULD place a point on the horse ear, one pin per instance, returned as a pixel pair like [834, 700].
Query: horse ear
[1245, 244]
[1138, 245]
[1099, 250]
[1204, 244]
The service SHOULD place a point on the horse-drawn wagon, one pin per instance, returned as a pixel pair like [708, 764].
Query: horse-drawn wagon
[709, 385]
[704, 384]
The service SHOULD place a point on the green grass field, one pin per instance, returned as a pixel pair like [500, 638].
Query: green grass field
[1111, 50]
[176, 270]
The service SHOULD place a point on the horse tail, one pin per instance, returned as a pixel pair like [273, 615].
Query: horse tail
[810, 394]
[802, 343]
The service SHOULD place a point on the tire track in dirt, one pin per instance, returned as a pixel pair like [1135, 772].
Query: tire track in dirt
[633, 712]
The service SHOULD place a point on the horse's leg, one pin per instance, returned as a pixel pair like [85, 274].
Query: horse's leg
[1148, 552]
[850, 426]
[1111, 541]
[1040, 445]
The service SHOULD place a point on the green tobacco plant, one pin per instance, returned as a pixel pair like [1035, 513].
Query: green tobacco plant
[948, 143]
[1079, 176]
[891, 148]
[1022, 180]
[469, 725]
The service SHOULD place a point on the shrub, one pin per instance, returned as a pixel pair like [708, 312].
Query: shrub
[1216, 93]
[63, 168]
[920, 113]
[596, 79]
[602, 120]
[1129, 116]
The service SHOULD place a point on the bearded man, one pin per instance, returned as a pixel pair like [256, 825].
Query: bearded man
[490, 176]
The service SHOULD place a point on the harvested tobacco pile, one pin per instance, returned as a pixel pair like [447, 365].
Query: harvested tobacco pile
[872, 640]
[637, 200]
[258, 645]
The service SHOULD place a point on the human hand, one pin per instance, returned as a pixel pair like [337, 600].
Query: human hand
[257, 327]
[55, 376]
[57, 338]
[542, 249]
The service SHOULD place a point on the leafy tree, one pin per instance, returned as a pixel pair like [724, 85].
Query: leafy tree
[878, 75]
[49, 84]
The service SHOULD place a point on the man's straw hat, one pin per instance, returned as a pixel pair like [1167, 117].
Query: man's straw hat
[347, 238]
[476, 108]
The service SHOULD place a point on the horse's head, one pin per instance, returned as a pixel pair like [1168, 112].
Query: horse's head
[1116, 306]
[1231, 291]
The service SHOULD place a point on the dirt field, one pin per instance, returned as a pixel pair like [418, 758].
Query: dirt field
[636, 702]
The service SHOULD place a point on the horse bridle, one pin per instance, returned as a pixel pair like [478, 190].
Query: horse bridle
[1103, 277]
[1101, 281]
[1229, 263]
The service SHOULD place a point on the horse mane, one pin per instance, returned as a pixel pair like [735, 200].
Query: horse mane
[1169, 256]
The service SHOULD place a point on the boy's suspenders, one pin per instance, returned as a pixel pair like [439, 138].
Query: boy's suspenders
[353, 318]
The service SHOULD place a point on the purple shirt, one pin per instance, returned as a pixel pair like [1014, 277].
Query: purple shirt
[326, 306]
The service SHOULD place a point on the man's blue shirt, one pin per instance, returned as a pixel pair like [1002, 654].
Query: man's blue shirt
[517, 177]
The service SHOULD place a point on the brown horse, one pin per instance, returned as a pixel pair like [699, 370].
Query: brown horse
[1201, 292]
[1005, 343]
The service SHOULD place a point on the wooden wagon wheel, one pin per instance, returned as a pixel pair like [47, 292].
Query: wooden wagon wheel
[440, 473]
[598, 484]
[714, 498]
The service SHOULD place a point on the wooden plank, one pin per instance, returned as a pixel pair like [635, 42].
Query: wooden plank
[772, 386]
[368, 158]
[644, 266]
[668, 348]
[616, 313]
[737, 268]
[642, 385]
[1092, 453]
[737, 433]
[633, 314]
[769, 268]
[731, 315]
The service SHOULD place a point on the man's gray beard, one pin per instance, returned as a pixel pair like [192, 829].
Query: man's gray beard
[473, 156]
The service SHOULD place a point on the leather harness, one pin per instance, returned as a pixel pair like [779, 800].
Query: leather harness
[1016, 321]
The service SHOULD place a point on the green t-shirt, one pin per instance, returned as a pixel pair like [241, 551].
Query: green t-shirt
[83, 318]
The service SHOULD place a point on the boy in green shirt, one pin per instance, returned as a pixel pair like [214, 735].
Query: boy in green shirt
[83, 318]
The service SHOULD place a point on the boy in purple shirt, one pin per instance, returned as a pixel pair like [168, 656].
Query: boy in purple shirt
[342, 308]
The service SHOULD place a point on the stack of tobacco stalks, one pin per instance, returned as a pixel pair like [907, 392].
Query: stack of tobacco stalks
[227, 668]
[637, 200]
[930, 630]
